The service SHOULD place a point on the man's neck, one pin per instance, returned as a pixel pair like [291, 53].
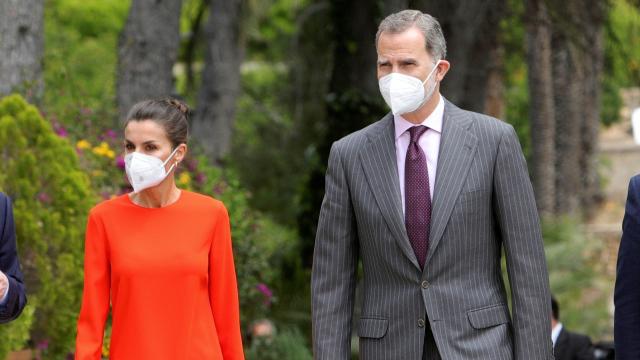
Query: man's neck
[423, 112]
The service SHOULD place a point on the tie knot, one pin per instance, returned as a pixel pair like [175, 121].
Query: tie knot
[416, 131]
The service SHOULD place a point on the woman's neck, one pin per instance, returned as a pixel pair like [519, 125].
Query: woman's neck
[164, 194]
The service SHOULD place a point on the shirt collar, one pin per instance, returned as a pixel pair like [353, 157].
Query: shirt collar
[555, 333]
[433, 121]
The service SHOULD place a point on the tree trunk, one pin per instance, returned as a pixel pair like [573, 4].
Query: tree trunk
[147, 51]
[472, 29]
[593, 27]
[568, 78]
[21, 47]
[541, 104]
[215, 114]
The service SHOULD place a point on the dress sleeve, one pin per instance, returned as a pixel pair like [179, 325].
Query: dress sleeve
[223, 289]
[95, 297]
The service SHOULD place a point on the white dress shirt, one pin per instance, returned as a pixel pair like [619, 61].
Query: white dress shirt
[429, 142]
[555, 333]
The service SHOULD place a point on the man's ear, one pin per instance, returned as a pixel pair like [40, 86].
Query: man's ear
[443, 69]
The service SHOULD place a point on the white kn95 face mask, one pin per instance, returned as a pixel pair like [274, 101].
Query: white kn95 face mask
[404, 93]
[145, 171]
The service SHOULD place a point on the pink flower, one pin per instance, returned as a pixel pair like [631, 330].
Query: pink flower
[120, 162]
[44, 198]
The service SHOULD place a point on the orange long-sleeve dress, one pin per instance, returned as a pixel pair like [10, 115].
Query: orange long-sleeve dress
[169, 276]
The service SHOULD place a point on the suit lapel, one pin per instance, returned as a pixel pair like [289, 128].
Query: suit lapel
[457, 149]
[379, 164]
[561, 345]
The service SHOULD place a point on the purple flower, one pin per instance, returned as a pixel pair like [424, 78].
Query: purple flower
[120, 162]
[111, 134]
[58, 128]
[264, 289]
[219, 188]
[201, 178]
[43, 344]
[61, 131]
[192, 165]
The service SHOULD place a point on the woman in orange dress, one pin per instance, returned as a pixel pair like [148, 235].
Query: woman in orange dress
[161, 256]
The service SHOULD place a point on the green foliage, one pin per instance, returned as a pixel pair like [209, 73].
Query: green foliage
[40, 171]
[15, 334]
[515, 80]
[287, 345]
[575, 276]
[265, 140]
[80, 61]
[622, 56]
[270, 28]
[260, 245]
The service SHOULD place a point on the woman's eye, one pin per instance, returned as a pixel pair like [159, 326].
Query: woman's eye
[151, 148]
[129, 147]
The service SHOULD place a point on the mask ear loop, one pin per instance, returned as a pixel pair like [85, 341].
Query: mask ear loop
[169, 158]
[431, 72]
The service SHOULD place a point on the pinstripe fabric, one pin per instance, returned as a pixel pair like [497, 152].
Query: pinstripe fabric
[483, 202]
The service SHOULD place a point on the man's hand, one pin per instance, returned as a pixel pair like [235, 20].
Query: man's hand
[4, 284]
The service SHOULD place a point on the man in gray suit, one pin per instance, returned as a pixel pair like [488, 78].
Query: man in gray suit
[428, 198]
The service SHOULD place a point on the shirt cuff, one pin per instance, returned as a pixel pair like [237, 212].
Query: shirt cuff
[4, 299]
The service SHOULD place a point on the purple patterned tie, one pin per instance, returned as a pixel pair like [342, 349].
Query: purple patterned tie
[417, 197]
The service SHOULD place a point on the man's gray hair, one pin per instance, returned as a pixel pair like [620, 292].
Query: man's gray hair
[427, 24]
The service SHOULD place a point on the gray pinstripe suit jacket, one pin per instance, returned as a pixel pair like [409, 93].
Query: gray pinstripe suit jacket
[483, 203]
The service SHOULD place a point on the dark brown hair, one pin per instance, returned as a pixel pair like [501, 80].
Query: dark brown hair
[172, 114]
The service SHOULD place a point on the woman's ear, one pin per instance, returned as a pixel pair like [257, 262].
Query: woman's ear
[181, 153]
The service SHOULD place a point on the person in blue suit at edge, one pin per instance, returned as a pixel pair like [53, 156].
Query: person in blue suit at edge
[627, 291]
[12, 294]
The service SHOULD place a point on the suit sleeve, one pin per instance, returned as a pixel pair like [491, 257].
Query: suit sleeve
[517, 218]
[223, 290]
[584, 348]
[96, 293]
[627, 291]
[9, 264]
[335, 259]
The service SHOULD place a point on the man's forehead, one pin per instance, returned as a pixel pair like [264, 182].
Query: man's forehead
[397, 57]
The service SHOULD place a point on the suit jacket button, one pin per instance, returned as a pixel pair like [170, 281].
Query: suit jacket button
[420, 323]
[425, 284]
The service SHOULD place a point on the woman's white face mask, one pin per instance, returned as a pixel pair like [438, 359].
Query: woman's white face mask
[145, 171]
[404, 93]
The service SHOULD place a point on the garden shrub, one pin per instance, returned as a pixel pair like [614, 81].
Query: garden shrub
[51, 197]
[289, 344]
[260, 245]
